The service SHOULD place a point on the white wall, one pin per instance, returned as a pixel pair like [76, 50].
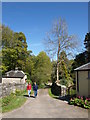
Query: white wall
[11, 80]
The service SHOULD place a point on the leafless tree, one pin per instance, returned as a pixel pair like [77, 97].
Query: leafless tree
[58, 40]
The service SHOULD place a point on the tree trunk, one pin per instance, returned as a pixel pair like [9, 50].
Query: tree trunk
[58, 60]
[57, 72]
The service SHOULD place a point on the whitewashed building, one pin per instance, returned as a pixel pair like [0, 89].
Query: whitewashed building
[14, 76]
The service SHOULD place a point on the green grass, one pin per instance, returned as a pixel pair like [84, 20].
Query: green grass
[13, 101]
[16, 102]
[50, 94]
[0, 105]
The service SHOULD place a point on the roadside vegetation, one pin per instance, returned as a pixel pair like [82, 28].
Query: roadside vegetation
[13, 101]
[81, 102]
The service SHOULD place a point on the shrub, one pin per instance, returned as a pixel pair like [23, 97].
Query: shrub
[71, 102]
[80, 101]
[17, 92]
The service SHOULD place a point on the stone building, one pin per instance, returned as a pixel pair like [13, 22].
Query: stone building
[14, 76]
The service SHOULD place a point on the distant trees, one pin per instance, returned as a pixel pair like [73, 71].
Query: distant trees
[87, 46]
[84, 57]
[42, 68]
[58, 41]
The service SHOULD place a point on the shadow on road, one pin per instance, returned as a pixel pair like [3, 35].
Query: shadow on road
[64, 98]
[28, 96]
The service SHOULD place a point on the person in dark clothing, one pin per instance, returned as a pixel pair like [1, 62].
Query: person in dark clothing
[35, 88]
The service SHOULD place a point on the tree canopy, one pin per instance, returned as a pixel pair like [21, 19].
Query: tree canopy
[14, 49]
[42, 68]
[87, 46]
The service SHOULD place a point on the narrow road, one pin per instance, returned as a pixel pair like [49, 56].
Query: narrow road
[46, 107]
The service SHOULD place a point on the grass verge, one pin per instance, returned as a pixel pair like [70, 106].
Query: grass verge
[0, 105]
[16, 102]
[13, 101]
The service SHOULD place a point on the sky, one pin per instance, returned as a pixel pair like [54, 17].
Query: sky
[35, 19]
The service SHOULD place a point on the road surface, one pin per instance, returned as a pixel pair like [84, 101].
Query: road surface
[46, 107]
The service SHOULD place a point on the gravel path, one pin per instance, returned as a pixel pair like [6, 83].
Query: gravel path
[46, 107]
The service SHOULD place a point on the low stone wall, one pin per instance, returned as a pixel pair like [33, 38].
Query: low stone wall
[6, 89]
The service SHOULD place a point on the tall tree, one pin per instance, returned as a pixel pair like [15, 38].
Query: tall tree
[20, 46]
[58, 40]
[87, 46]
[14, 49]
[42, 68]
[7, 37]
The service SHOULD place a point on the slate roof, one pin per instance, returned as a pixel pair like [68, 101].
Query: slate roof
[15, 74]
[83, 67]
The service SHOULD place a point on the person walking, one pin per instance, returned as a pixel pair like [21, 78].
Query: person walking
[29, 89]
[35, 88]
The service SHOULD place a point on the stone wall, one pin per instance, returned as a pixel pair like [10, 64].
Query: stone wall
[6, 89]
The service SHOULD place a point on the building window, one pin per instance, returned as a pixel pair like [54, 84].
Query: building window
[88, 74]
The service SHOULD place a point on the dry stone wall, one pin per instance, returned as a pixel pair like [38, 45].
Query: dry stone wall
[6, 89]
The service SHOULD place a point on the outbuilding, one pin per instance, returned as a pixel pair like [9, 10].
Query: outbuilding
[14, 76]
[83, 80]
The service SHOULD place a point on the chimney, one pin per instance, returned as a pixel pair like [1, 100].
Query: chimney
[16, 69]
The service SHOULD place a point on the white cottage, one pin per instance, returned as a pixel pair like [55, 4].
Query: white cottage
[83, 80]
[14, 76]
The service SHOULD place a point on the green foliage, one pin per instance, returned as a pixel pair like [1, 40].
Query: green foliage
[42, 69]
[81, 102]
[14, 50]
[84, 57]
[41, 86]
[72, 91]
[65, 68]
[13, 101]
[28, 76]
[18, 92]
[30, 66]
[63, 81]
[87, 46]
[15, 54]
